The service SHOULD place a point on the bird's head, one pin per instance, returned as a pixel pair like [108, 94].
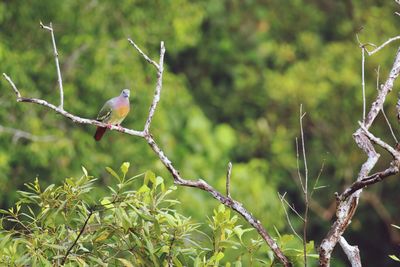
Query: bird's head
[125, 93]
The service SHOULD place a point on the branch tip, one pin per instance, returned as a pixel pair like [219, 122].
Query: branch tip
[228, 180]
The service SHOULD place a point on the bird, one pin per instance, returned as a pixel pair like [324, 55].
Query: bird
[113, 112]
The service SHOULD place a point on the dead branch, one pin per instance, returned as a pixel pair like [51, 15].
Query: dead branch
[60, 84]
[352, 252]
[17, 134]
[145, 133]
[348, 201]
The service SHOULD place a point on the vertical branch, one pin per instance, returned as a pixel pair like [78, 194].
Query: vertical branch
[228, 180]
[53, 39]
[305, 189]
[363, 80]
[157, 94]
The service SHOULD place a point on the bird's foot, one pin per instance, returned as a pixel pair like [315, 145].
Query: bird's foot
[120, 127]
[109, 126]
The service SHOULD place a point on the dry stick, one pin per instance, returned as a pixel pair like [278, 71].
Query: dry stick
[352, 252]
[305, 191]
[363, 80]
[369, 180]
[282, 197]
[292, 208]
[346, 207]
[17, 134]
[60, 84]
[382, 45]
[200, 184]
[383, 109]
[77, 238]
[228, 180]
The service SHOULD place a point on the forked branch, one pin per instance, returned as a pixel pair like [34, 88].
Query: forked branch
[347, 202]
[145, 133]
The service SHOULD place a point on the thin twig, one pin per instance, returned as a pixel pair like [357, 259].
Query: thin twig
[305, 192]
[317, 179]
[77, 238]
[60, 84]
[298, 166]
[383, 109]
[17, 134]
[152, 62]
[281, 197]
[363, 80]
[382, 45]
[293, 209]
[228, 180]
[17, 93]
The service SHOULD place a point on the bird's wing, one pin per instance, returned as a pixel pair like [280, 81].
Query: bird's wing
[105, 112]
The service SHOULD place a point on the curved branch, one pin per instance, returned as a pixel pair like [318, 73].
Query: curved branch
[178, 180]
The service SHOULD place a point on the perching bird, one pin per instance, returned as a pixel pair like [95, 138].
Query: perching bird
[113, 112]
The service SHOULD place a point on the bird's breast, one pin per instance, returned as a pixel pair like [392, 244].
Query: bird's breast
[122, 111]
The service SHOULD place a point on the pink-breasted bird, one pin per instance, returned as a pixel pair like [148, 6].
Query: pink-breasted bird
[113, 112]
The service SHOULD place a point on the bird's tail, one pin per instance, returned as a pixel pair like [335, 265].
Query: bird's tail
[99, 133]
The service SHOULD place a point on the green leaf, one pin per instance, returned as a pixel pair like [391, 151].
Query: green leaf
[149, 177]
[394, 257]
[113, 173]
[125, 168]
[125, 262]
[85, 171]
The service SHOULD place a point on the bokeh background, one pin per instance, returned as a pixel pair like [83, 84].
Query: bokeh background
[236, 74]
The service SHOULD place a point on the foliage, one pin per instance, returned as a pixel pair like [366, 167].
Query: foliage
[128, 226]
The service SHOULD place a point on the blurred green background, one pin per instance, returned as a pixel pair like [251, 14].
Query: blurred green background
[236, 73]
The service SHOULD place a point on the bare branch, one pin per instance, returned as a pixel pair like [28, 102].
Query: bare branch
[281, 197]
[60, 84]
[381, 143]
[157, 93]
[298, 166]
[72, 117]
[228, 180]
[152, 62]
[346, 207]
[363, 80]
[199, 184]
[369, 180]
[382, 45]
[305, 191]
[18, 94]
[17, 134]
[383, 109]
[292, 208]
[352, 252]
